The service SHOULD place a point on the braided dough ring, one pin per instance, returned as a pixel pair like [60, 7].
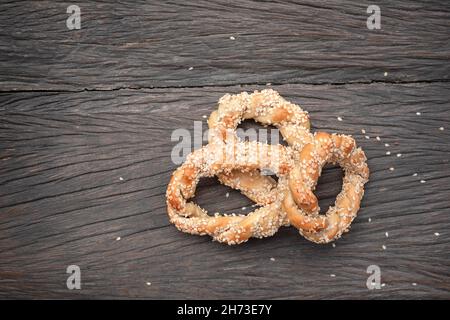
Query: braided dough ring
[215, 159]
[268, 108]
[301, 205]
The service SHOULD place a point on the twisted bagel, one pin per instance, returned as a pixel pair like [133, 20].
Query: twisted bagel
[268, 108]
[215, 159]
[298, 166]
[300, 203]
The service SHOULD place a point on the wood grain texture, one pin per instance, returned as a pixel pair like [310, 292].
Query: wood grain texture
[62, 201]
[145, 44]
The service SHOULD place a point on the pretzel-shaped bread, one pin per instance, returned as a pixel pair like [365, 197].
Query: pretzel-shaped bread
[212, 160]
[268, 108]
[298, 167]
[300, 203]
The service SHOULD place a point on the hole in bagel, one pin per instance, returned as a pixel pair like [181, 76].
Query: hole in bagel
[250, 130]
[329, 186]
[211, 195]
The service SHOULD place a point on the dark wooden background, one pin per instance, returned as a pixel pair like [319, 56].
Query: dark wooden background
[80, 109]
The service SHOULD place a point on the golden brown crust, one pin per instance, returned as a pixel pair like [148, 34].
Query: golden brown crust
[298, 166]
[304, 214]
[268, 108]
[212, 160]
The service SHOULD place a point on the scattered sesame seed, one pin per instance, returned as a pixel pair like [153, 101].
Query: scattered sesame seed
[388, 153]
[441, 128]
[384, 247]
[332, 275]
[370, 219]
[437, 234]
[415, 175]
[205, 116]
[243, 208]
[268, 84]
[272, 259]
[387, 234]
[399, 155]
[422, 181]
[391, 169]
[367, 137]
[118, 238]
[386, 145]
[148, 283]
[363, 131]
[414, 284]
[385, 74]
[333, 245]
[339, 118]
[120, 178]
[191, 68]
[383, 284]
[418, 113]
[232, 38]
[227, 195]
[378, 138]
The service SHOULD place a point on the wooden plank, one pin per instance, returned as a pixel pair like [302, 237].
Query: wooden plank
[63, 202]
[142, 44]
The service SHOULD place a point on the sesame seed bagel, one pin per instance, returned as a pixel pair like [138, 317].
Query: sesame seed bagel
[291, 200]
[268, 108]
[213, 160]
[300, 203]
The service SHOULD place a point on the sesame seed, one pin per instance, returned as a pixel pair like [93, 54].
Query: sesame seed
[367, 137]
[415, 175]
[386, 145]
[441, 128]
[333, 245]
[437, 234]
[243, 208]
[391, 169]
[414, 284]
[148, 283]
[205, 116]
[418, 113]
[399, 155]
[383, 247]
[227, 195]
[383, 284]
[232, 38]
[332, 275]
[385, 74]
[268, 84]
[339, 118]
[272, 259]
[387, 234]
[388, 153]
[118, 238]
[370, 219]
[378, 138]
[191, 68]
[422, 181]
[363, 131]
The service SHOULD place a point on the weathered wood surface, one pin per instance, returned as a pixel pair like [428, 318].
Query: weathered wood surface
[144, 44]
[62, 200]
[81, 109]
